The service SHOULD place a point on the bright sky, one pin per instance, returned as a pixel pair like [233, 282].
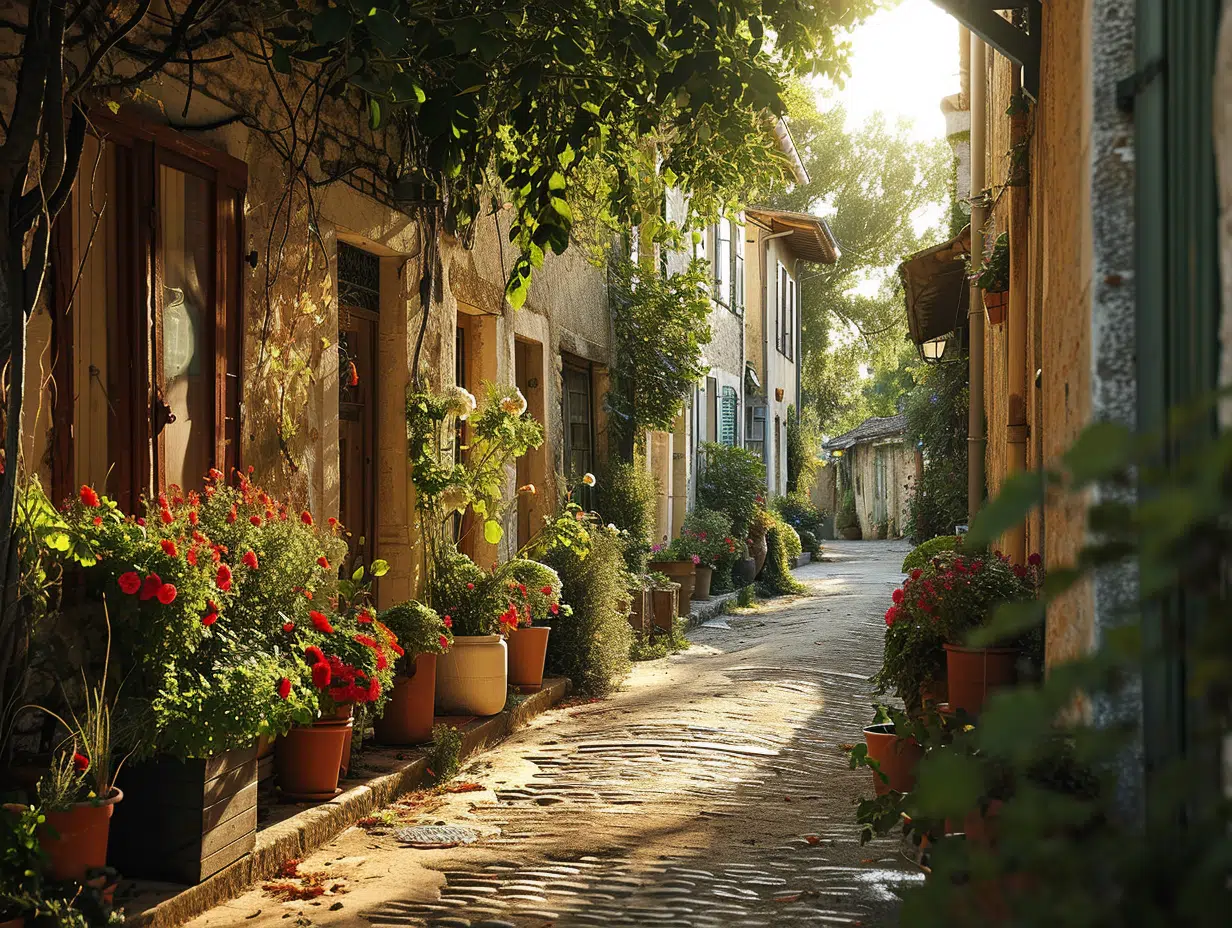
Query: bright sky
[903, 61]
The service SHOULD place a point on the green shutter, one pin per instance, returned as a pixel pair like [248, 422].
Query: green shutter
[727, 417]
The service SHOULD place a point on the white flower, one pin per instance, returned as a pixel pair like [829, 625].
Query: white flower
[611, 527]
[588, 479]
[514, 403]
[459, 401]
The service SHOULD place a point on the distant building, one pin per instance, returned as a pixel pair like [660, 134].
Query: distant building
[877, 462]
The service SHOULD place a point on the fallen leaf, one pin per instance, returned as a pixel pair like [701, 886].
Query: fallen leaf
[812, 839]
[794, 897]
[463, 788]
[846, 747]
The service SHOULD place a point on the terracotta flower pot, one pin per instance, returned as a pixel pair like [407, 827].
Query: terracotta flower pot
[410, 711]
[472, 677]
[341, 715]
[996, 304]
[75, 840]
[684, 573]
[934, 693]
[701, 589]
[758, 551]
[308, 759]
[664, 600]
[972, 672]
[897, 756]
[528, 649]
[18, 921]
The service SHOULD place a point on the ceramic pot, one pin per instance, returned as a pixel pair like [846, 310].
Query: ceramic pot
[664, 600]
[897, 756]
[528, 650]
[701, 589]
[342, 715]
[16, 922]
[308, 759]
[410, 710]
[684, 573]
[472, 677]
[758, 551]
[972, 672]
[744, 572]
[75, 840]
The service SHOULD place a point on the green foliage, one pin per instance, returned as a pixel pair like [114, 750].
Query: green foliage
[627, 495]
[21, 861]
[539, 589]
[731, 480]
[809, 543]
[707, 534]
[746, 597]
[416, 629]
[467, 84]
[658, 642]
[936, 412]
[661, 324]
[994, 272]
[871, 183]
[846, 516]
[798, 510]
[922, 554]
[462, 590]
[445, 755]
[776, 578]
[791, 540]
[803, 443]
[591, 646]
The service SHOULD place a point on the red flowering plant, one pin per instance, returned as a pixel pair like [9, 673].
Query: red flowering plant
[414, 629]
[707, 536]
[533, 592]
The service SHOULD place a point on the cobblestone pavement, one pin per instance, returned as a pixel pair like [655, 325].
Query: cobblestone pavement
[711, 791]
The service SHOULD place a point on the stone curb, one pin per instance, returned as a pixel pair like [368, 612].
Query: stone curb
[305, 832]
[703, 611]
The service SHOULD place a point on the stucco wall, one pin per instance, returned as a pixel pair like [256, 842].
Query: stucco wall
[899, 470]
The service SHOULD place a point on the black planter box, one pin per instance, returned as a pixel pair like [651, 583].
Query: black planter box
[183, 821]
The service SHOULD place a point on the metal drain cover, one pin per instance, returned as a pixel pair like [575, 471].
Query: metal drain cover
[436, 836]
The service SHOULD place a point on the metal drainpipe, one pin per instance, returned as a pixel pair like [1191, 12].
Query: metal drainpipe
[1016, 332]
[975, 312]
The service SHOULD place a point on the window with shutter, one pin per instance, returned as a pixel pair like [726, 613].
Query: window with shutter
[727, 417]
[722, 262]
[737, 303]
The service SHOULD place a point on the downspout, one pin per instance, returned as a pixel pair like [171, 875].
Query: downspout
[975, 311]
[1016, 347]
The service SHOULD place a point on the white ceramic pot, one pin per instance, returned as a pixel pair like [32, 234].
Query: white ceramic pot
[472, 677]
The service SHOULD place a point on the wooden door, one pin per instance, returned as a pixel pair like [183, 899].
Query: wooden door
[357, 373]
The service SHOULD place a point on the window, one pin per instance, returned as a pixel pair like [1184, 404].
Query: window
[579, 426]
[156, 313]
[723, 262]
[755, 431]
[737, 303]
[727, 417]
[785, 314]
[790, 340]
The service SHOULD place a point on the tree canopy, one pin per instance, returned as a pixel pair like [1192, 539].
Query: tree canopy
[872, 183]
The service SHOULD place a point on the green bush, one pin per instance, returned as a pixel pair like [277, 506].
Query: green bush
[798, 511]
[936, 411]
[731, 480]
[809, 542]
[846, 517]
[923, 553]
[776, 578]
[626, 497]
[791, 541]
[591, 646]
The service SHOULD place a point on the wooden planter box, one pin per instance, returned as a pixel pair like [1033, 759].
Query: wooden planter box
[665, 606]
[183, 821]
[641, 610]
[266, 787]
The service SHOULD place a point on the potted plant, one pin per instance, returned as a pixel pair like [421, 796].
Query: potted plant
[962, 592]
[665, 594]
[993, 279]
[21, 864]
[892, 750]
[761, 523]
[846, 520]
[472, 676]
[535, 591]
[417, 635]
[668, 558]
[707, 534]
[913, 657]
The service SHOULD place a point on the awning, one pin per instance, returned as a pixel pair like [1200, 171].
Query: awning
[810, 237]
[938, 292]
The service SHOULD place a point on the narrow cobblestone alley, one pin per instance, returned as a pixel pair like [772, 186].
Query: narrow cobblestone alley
[711, 790]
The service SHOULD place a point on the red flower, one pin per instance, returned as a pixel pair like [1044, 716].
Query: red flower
[470, 586]
[231, 516]
[223, 577]
[366, 640]
[546, 591]
[365, 617]
[250, 560]
[306, 517]
[288, 627]
[88, 496]
[284, 688]
[209, 619]
[915, 574]
[141, 521]
[98, 520]
[150, 587]
[320, 675]
[897, 596]
[332, 521]
[522, 589]
[321, 623]
[81, 763]
[169, 548]
[211, 606]
[165, 517]
[977, 566]
[397, 648]
[444, 643]
[255, 520]
[555, 608]
[191, 556]
[324, 564]
[307, 594]
[374, 689]
[130, 582]
[891, 615]
[193, 518]
[447, 621]
[381, 660]
[1035, 560]
[166, 594]
[314, 654]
